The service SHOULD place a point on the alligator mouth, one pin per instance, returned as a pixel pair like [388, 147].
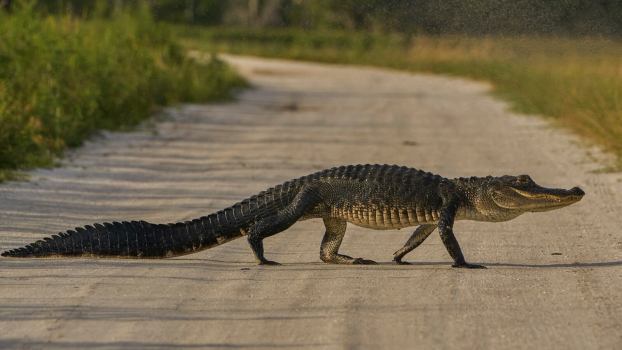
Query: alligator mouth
[544, 199]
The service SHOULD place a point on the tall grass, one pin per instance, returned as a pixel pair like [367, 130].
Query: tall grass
[578, 82]
[62, 78]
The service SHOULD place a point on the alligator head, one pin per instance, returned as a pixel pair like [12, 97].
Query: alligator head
[506, 197]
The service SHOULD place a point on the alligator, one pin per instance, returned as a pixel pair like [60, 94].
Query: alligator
[381, 197]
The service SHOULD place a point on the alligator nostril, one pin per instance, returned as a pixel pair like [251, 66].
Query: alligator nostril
[577, 191]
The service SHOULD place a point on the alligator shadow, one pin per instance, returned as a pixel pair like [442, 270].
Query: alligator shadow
[503, 264]
[45, 312]
[131, 345]
[562, 265]
[309, 266]
[228, 266]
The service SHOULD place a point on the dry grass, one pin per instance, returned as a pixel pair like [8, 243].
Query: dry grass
[578, 82]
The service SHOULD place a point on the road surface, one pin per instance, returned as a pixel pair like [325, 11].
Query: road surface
[554, 279]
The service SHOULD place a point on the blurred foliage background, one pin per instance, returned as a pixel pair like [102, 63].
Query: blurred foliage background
[473, 17]
[71, 67]
[65, 76]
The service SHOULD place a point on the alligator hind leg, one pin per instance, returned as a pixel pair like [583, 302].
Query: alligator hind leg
[271, 225]
[335, 230]
[421, 233]
[256, 242]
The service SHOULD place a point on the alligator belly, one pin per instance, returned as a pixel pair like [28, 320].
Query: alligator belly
[379, 227]
[385, 218]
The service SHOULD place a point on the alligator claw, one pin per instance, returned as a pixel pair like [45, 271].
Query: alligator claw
[269, 262]
[400, 262]
[361, 261]
[468, 266]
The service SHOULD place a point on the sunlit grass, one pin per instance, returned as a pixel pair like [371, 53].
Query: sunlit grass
[63, 78]
[577, 82]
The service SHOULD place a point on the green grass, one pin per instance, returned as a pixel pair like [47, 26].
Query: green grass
[577, 82]
[63, 78]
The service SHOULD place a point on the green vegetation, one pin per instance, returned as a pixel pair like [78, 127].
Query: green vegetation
[472, 17]
[70, 67]
[577, 81]
[62, 78]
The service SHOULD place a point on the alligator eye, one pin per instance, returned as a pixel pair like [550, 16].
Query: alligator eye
[523, 179]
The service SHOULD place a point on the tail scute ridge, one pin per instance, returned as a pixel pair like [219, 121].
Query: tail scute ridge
[132, 239]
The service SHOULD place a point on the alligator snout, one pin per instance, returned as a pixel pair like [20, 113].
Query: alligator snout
[576, 191]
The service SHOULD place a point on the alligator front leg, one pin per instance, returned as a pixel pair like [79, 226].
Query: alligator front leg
[445, 228]
[421, 233]
[335, 230]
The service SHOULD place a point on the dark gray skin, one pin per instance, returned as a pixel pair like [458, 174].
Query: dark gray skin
[381, 197]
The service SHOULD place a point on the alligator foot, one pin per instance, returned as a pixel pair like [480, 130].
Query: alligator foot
[361, 261]
[468, 266]
[400, 262]
[268, 262]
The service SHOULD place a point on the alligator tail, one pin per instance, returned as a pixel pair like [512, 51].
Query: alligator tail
[135, 239]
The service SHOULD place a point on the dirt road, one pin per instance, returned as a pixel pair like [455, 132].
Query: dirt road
[554, 279]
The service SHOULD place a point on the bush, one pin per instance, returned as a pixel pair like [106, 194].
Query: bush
[62, 78]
